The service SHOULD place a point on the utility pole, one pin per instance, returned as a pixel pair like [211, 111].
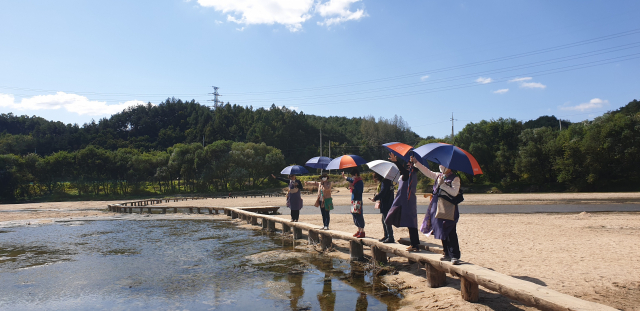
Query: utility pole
[320, 142]
[452, 137]
[320, 148]
[215, 94]
[560, 121]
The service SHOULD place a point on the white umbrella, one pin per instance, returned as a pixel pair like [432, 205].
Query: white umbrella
[386, 169]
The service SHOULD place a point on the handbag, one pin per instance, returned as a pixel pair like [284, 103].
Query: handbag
[446, 208]
[317, 204]
[356, 207]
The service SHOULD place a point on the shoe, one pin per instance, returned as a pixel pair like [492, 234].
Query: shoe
[445, 258]
[389, 240]
[412, 249]
[356, 234]
[360, 235]
[325, 227]
[455, 261]
[383, 239]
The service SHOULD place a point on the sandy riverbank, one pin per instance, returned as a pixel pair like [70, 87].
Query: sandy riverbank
[592, 256]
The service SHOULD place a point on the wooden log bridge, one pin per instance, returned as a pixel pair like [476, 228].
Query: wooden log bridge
[471, 276]
[122, 208]
[148, 202]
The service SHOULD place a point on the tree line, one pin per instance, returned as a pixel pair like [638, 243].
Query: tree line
[218, 167]
[181, 146]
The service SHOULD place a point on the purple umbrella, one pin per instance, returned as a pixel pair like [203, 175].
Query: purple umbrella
[318, 162]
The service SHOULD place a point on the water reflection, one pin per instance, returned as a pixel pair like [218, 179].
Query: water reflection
[327, 298]
[174, 264]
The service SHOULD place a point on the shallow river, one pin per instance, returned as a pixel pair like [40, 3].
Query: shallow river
[175, 265]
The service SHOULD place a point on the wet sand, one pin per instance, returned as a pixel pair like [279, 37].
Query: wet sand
[593, 256]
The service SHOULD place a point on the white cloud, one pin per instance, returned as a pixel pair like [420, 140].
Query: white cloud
[483, 80]
[290, 13]
[520, 79]
[340, 10]
[528, 85]
[592, 104]
[424, 78]
[71, 102]
[501, 91]
[294, 108]
[532, 85]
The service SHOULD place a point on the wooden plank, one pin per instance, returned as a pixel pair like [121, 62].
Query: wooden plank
[430, 247]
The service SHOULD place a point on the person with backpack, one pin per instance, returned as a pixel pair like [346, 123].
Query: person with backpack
[446, 187]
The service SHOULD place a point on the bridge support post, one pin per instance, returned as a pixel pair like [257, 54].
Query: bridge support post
[234, 215]
[297, 233]
[272, 225]
[313, 237]
[264, 224]
[326, 241]
[379, 256]
[164, 210]
[254, 220]
[356, 251]
[469, 290]
[285, 228]
[435, 277]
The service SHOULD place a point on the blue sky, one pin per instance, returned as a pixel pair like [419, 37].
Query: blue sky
[74, 61]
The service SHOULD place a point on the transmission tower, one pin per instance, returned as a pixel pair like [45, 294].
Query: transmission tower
[216, 102]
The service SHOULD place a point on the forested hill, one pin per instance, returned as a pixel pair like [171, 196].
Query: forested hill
[173, 121]
[159, 149]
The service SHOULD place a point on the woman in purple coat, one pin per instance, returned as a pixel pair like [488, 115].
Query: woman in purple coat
[442, 229]
[294, 199]
[404, 209]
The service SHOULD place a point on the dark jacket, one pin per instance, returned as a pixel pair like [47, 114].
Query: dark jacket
[385, 196]
[286, 180]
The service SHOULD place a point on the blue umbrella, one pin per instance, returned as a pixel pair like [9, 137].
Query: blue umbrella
[449, 156]
[345, 161]
[294, 170]
[318, 162]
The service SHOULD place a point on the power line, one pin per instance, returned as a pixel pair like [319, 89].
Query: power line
[421, 73]
[459, 77]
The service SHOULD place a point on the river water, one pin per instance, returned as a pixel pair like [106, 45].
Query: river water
[175, 265]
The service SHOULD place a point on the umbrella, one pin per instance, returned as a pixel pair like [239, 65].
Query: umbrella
[449, 156]
[386, 169]
[345, 161]
[399, 149]
[318, 162]
[294, 170]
